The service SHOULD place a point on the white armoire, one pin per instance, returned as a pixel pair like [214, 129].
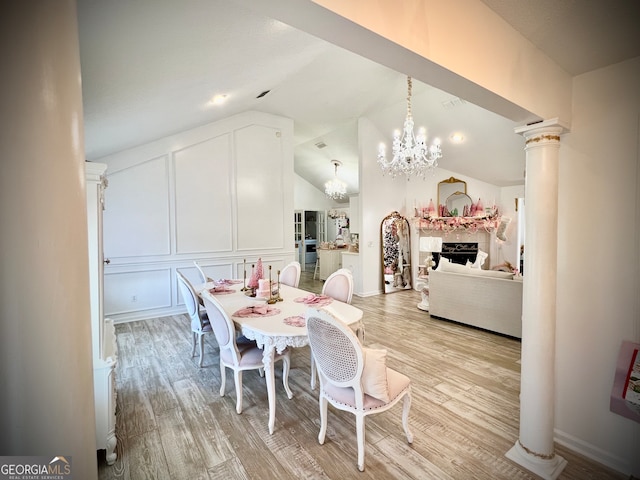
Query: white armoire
[102, 330]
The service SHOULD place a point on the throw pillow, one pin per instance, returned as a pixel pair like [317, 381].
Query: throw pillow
[374, 374]
[446, 265]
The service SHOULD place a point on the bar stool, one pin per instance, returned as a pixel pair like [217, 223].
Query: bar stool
[316, 271]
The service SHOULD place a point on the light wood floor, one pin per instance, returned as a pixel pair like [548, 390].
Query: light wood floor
[172, 423]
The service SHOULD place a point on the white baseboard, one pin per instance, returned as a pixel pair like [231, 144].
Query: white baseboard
[368, 294]
[146, 314]
[592, 452]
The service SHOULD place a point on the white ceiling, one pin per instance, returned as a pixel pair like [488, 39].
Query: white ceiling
[150, 67]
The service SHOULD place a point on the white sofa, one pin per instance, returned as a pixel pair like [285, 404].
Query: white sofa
[481, 298]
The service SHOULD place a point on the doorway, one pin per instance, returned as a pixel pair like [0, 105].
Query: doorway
[310, 229]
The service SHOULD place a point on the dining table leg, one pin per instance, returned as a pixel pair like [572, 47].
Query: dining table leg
[268, 355]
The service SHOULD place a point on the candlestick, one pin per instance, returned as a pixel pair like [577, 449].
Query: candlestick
[271, 299]
[244, 275]
[279, 298]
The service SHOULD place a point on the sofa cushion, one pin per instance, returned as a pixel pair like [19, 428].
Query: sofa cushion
[447, 266]
[492, 273]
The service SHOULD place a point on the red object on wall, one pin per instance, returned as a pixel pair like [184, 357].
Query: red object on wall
[625, 397]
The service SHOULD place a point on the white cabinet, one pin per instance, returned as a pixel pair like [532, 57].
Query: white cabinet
[351, 261]
[330, 261]
[103, 336]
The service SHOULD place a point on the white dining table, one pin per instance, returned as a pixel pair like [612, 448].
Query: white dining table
[271, 333]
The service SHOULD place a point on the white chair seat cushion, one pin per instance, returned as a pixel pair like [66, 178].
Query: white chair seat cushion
[396, 382]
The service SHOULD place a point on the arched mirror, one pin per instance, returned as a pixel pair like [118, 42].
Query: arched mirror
[396, 254]
[458, 203]
[448, 187]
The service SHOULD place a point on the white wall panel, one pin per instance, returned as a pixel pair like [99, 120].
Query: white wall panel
[136, 218]
[203, 177]
[133, 291]
[175, 200]
[260, 188]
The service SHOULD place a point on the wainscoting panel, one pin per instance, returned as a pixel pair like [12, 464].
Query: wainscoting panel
[260, 188]
[136, 216]
[133, 291]
[203, 175]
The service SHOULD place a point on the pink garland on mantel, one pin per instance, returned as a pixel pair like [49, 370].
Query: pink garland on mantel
[466, 224]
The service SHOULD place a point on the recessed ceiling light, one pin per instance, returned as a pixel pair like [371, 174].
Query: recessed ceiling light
[218, 99]
[457, 137]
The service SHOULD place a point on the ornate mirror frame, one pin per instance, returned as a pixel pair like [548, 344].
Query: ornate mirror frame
[395, 253]
[457, 202]
[448, 187]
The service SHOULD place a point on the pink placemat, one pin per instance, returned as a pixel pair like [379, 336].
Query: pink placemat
[295, 321]
[224, 281]
[313, 299]
[257, 311]
[221, 291]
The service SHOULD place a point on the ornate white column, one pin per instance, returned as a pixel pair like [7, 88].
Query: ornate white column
[534, 450]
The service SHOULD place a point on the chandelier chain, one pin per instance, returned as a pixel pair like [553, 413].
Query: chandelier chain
[409, 113]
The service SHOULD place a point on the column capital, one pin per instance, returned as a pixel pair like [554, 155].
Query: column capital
[547, 131]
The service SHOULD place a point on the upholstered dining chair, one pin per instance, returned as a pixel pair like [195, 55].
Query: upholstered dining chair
[290, 274]
[353, 378]
[203, 276]
[239, 356]
[199, 320]
[339, 285]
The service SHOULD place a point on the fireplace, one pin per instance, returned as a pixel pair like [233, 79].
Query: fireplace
[457, 252]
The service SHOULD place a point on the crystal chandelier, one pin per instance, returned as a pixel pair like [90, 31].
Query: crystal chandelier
[335, 188]
[410, 154]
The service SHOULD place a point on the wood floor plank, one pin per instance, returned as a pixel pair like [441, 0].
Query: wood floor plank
[201, 419]
[184, 460]
[230, 469]
[146, 457]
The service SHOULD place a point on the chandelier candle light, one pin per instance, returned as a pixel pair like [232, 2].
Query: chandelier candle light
[335, 188]
[411, 156]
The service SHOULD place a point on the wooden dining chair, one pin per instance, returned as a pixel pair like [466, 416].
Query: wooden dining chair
[200, 324]
[239, 356]
[353, 378]
[290, 274]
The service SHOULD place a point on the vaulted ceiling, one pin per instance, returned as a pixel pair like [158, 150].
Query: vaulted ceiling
[150, 68]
